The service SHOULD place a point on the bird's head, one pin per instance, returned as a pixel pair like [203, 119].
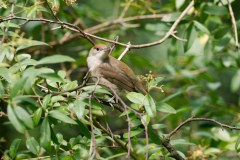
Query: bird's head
[99, 51]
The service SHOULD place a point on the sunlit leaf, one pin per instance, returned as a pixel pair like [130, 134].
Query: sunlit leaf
[33, 145]
[150, 106]
[221, 134]
[55, 59]
[133, 133]
[45, 139]
[14, 147]
[1, 90]
[26, 43]
[235, 84]
[62, 117]
[14, 120]
[166, 108]
[237, 145]
[134, 97]
[216, 10]
[24, 116]
[46, 101]
[37, 116]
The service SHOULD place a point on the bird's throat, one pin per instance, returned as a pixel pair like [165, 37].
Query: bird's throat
[93, 62]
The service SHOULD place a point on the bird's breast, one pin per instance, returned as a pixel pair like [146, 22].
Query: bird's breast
[93, 63]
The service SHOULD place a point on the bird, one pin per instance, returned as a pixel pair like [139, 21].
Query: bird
[112, 73]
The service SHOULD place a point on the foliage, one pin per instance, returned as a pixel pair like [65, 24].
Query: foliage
[41, 64]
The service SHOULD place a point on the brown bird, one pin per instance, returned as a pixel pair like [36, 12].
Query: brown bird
[111, 72]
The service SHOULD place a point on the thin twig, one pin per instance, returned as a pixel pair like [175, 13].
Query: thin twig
[93, 139]
[147, 140]
[125, 51]
[201, 119]
[112, 46]
[119, 142]
[178, 38]
[52, 11]
[234, 25]
[125, 9]
[88, 35]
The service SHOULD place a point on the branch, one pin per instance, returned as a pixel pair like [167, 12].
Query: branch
[64, 24]
[88, 35]
[125, 51]
[93, 139]
[233, 23]
[173, 152]
[201, 119]
[119, 142]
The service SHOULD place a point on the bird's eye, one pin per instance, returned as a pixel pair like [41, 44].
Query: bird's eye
[97, 49]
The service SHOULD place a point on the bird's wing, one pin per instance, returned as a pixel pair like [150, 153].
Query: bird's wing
[121, 75]
[115, 76]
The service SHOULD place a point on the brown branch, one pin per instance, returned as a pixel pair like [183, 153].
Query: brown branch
[52, 11]
[64, 24]
[125, 8]
[201, 119]
[93, 139]
[168, 34]
[233, 24]
[88, 35]
[147, 140]
[119, 142]
[173, 152]
[122, 20]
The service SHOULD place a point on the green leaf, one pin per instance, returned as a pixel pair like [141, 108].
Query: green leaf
[221, 134]
[179, 3]
[14, 120]
[154, 82]
[45, 139]
[79, 108]
[37, 116]
[145, 119]
[134, 97]
[116, 155]
[55, 59]
[83, 129]
[33, 145]
[153, 136]
[14, 147]
[62, 117]
[235, 84]
[97, 89]
[4, 72]
[46, 101]
[166, 108]
[51, 76]
[216, 10]
[1, 90]
[133, 133]
[191, 35]
[17, 87]
[237, 147]
[150, 106]
[158, 126]
[26, 43]
[173, 17]
[201, 27]
[23, 115]
[9, 24]
[69, 85]
[181, 142]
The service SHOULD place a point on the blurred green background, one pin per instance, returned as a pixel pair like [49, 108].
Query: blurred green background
[201, 76]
